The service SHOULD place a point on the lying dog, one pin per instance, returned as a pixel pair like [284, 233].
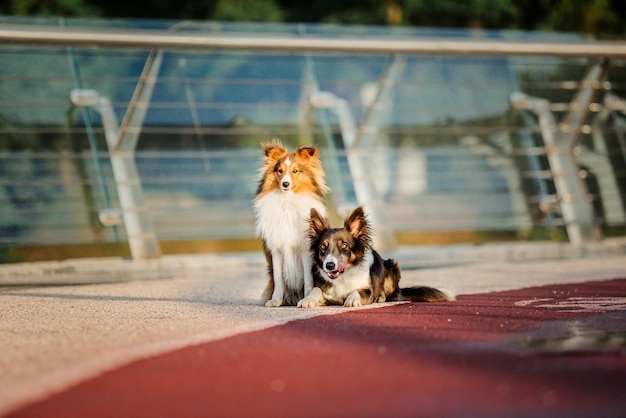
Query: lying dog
[348, 271]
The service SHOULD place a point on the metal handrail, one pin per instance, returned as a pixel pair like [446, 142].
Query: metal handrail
[447, 216]
[151, 38]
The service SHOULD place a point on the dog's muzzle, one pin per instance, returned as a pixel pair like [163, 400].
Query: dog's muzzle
[334, 270]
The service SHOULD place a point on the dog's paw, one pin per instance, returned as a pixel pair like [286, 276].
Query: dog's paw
[353, 301]
[307, 303]
[382, 298]
[273, 303]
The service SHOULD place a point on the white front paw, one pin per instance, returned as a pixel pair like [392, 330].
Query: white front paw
[273, 303]
[307, 303]
[353, 300]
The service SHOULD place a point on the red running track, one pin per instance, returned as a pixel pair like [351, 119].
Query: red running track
[549, 351]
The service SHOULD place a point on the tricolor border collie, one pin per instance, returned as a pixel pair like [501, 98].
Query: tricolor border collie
[290, 185]
[348, 271]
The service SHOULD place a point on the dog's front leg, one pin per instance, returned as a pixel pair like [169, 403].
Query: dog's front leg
[314, 298]
[279, 281]
[307, 265]
[353, 299]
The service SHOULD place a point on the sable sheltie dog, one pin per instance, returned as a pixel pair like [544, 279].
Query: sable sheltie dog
[348, 271]
[290, 185]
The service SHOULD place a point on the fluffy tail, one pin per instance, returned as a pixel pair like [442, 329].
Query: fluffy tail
[423, 294]
[411, 294]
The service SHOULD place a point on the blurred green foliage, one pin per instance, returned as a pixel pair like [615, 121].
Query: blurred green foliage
[603, 18]
[50, 8]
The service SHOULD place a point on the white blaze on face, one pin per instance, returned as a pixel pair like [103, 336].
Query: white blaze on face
[286, 182]
[333, 267]
[330, 263]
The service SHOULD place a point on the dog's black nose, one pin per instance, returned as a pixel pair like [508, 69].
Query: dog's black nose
[285, 184]
[330, 266]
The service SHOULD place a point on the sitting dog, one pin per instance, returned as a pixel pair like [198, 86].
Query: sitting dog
[290, 184]
[348, 271]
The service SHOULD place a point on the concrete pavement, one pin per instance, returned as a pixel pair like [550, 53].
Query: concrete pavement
[61, 323]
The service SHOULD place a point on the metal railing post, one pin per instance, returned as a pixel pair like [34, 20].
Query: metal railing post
[560, 143]
[141, 237]
[121, 142]
[361, 174]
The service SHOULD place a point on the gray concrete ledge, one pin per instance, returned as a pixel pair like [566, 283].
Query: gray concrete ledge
[410, 257]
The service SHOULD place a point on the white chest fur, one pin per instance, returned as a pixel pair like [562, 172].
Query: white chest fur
[281, 219]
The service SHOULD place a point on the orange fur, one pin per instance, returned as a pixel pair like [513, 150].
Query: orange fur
[306, 169]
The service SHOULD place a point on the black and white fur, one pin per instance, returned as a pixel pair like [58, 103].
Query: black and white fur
[348, 271]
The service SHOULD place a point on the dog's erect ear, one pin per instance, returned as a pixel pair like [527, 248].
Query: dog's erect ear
[307, 152]
[274, 150]
[357, 224]
[317, 224]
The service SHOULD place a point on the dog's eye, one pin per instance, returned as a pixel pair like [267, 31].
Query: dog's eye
[323, 247]
[294, 171]
[344, 246]
[279, 171]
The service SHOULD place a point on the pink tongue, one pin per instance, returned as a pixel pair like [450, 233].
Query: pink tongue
[342, 266]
